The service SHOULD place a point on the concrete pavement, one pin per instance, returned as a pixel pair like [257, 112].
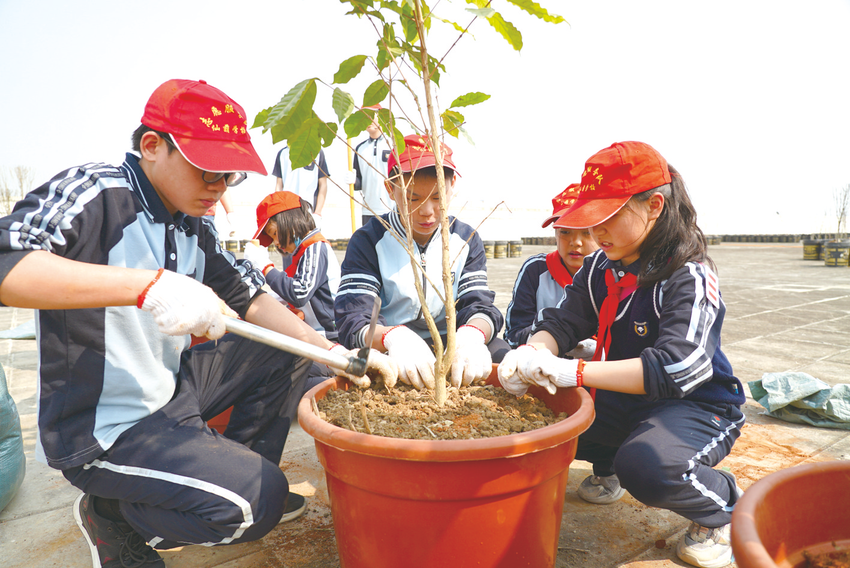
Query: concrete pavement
[784, 313]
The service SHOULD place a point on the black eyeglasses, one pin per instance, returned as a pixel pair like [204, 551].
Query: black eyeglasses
[230, 178]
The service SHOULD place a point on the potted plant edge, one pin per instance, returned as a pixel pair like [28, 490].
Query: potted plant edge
[493, 502]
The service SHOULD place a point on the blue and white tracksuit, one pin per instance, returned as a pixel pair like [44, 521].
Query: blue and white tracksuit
[534, 289]
[121, 406]
[370, 167]
[313, 286]
[377, 265]
[303, 182]
[662, 445]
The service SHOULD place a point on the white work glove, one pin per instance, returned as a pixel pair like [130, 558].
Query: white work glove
[584, 350]
[378, 366]
[258, 257]
[349, 177]
[317, 219]
[530, 366]
[181, 305]
[414, 357]
[472, 361]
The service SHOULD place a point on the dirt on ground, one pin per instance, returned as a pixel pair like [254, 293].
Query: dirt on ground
[404, 412]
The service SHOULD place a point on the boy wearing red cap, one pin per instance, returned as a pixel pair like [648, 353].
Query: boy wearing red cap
[667, 403]
[542, 277]
[377, 264]
[123, 400]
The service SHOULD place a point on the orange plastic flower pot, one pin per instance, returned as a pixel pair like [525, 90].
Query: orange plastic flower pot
[489, 503]
[806, 507]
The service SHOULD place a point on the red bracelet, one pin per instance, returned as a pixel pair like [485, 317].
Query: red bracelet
[580, 373]
[384, 336]
[144, 293]
[475, 328]
[267, 268]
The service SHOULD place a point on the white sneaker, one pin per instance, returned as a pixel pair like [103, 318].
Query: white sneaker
[601, 490]
[705, 547]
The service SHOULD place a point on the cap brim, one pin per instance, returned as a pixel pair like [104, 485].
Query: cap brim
[264, 239]
[586, 213]
[554, 217]
[220, 156]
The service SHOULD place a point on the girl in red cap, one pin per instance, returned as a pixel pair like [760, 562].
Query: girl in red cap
[667, 403]
[542, 277]
[310, 281]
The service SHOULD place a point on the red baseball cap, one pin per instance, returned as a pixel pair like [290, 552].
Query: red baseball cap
[207, 126]
[418, 154]
[270, 206]
[561, 203]
[610, 178]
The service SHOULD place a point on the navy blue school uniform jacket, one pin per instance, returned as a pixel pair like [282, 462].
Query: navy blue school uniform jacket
[535, 288]
[377, 265]
[673, 326]
[102, 370]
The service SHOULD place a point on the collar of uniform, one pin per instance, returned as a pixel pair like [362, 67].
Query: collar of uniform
[151, 202]
[606, 264]
[395, 222]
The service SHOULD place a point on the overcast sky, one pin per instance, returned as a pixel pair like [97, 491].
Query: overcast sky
[748, 99]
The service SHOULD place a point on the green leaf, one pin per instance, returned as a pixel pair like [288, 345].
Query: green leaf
[455, 25]
[507, 30]
[536, 9]
[328, 133]
[357, 123]
[305, 143]
[469, 99]
[343, 104]
[293, 110]
[408, 24]
[261, 118]
[349, 69]
[375, 93]
[452, 122]
[482, 12]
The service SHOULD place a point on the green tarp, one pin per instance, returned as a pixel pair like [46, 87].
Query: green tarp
[801, 398]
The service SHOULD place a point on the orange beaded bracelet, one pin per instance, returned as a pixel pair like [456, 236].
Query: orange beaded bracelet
[580, 373]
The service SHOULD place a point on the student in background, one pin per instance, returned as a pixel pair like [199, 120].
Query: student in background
[542, 277]
[309, 183]
[370, 169]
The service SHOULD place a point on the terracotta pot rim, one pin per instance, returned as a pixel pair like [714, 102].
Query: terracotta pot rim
[443, 450]
[746, 541]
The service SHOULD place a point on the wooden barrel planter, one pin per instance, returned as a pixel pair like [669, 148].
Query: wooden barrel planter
[811, 249]
[514, 249]
[489, 249]
[501, 249]
[836, 253]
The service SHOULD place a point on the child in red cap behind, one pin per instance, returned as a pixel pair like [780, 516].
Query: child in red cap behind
[542, 277]
[311, 279]
[667, 403]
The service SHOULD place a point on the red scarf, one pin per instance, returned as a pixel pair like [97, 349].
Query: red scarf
[608, 312]
[556, 268]
[317, 238]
